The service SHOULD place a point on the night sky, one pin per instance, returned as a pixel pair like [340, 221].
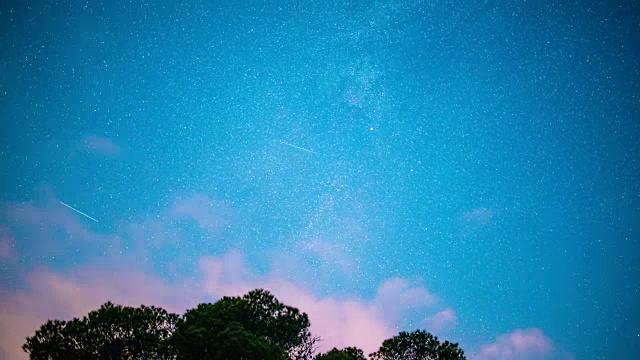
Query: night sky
[466, 167]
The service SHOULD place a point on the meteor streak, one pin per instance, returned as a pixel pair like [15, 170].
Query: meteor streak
[78, 211]
[298, 147]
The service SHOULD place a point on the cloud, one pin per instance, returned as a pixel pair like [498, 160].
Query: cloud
[441, 322]
[102, 145]
[478, 216]
[340, 322]
[396, 295]
[50, 295]
[475, 221]
[209, 214]
[47, 217]
[7, 243]
[527, 344]
[50, 229]
[151, 235]
[331, 254]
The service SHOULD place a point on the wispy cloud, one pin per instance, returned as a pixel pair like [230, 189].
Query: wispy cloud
[210, 214]
[396, 295]
[102, 145]
[475, 220]
[524, 344]
[7, 244]
[478, 216]
[442, 322]
[49, 228]
[340, 322]
[47, 294]
[331, 254]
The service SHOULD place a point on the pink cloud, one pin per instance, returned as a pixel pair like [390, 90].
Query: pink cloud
[344, 321]
[50, 295]
[45, 216]
[396, 295]
[43, 224]
[443, 321]
[340, 322]
[208, 213]
[102, 145]
[527, 344]
[7, 243]
[400, 291]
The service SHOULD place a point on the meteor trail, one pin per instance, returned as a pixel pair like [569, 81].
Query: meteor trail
[298, 147]
[78, 211]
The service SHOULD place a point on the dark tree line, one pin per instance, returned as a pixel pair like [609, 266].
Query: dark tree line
[255, 326]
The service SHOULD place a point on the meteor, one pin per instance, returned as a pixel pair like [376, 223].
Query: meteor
[298, 147]
[78, 211]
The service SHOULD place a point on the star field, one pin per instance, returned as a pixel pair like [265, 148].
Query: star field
[468, 167]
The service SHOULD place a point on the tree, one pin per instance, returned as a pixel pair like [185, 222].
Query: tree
[54, 341]
[418, 345]
[255, 326]
[350, 353]
[111, 332]
[218, 331]
[283, 325]
[306, 349]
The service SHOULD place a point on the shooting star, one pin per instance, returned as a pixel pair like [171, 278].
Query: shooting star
[78, 211]
[298, 147]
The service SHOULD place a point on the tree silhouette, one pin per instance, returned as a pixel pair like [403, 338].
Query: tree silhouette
[111, 332]
[255, 326]
[418, 345]
[350, 353]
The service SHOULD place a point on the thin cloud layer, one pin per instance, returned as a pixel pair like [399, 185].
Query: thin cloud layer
[7, 244]
[339, 322]
[208, 213]
[47, 294]
[396, 295]
[442, 322]
[331, 254]
[102, 145]
[478, 216]
[525, 344]
[50, 229]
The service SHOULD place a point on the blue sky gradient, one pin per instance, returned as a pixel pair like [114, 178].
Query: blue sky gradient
[484, 150]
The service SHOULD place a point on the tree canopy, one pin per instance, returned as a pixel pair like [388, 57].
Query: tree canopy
[349, 353]
[255, 326]
[111, 332]
[417, 345]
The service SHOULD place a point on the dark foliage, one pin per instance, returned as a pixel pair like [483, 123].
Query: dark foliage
[350, 353]
[255, 326]
[418, 345]
[111, 332]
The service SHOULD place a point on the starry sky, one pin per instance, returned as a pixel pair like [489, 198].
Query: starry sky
[466, 167]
